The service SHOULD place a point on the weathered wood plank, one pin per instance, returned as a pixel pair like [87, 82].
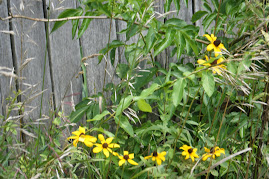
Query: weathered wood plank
[93, 40]
[30, 44]
[5, 58]
[64, 60]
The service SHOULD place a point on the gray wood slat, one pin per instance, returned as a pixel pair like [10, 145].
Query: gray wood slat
[64, 60]
[30, 43]
[5, 58]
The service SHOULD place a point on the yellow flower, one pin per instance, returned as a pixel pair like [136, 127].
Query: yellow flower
[158, 157]
[127, 157]
[213, 152]
[189, 152]
[81, 137]
[105, 145]
[214, 68]
[214, 44]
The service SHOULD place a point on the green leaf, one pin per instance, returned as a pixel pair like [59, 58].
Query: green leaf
[64, 14]
[208, 20]
[150, 39]
[178, 89]
[169, 37]
[98, 117]
[85, 24]
[167, 5]
[177, 5]
[75, 116]
[208, 82]
[125, 125]
[186, 2]
[198, 15]
[74, 27]
[144, 77]
[175, 22]
[215, 4]
[146, 92]
[113, 44]
[144, 106]
[181, 44]
[112, 56]
[207, 7]
[122, 70]
[190, 42]
[124, 103]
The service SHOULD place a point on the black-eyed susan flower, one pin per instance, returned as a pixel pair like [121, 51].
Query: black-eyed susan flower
[213, 152]
[80, 136]
[215, 69]
[189, 152]
[127, 158]
[158, 157]
[105, 146]
[214, 44]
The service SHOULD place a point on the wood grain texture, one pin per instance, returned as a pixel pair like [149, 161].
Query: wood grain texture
[30, 43]
[5, 58]
[93, 40]
[64, 60]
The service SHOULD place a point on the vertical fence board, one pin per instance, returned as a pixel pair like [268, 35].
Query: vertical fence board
[65, 60]
[93, 40]
[5, 57]
[30, 42]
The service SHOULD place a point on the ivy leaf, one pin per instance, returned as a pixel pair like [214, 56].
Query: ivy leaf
[208, 82]
[144, 106]
[178, 89]
[198, 15]
[169, 37]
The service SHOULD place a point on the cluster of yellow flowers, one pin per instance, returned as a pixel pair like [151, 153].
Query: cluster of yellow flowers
[190, 152]
[217, 46]
[106, 146]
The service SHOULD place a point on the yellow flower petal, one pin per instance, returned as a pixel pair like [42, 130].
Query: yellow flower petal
[88, 143]
[200, 61]
[208, 38]
[153, 159]
[81, 130]
[113, 145]
[192, 158]
[121, 162]
[132, 162]
[109, 140]
[101, 138]
[148, 157]
[75, 143]
[106, 152]
[76, 133]
[125, 152]
[131, 156]
[207, 150]
[159, 161]
[97, 149]
[210, 47]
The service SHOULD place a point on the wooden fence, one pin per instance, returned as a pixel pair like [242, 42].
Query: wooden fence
[25, 52]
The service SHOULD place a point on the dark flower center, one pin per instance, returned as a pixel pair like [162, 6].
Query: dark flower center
[82, 134]
[190, 150]
[126, 157]
[214, 62]
[105, 145]
[217, 42]
[155, 154]
[212, 150]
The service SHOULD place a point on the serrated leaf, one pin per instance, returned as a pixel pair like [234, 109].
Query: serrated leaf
[144, 106]
[215, 4]
[178, 89]
[198, 15]
[85, 24]
[146, 92]
[125, 125]
[65, 13]
[208, 82]
[175, 22]
[169, 37]
[207, 7]
[75, 116]
[98, 117]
